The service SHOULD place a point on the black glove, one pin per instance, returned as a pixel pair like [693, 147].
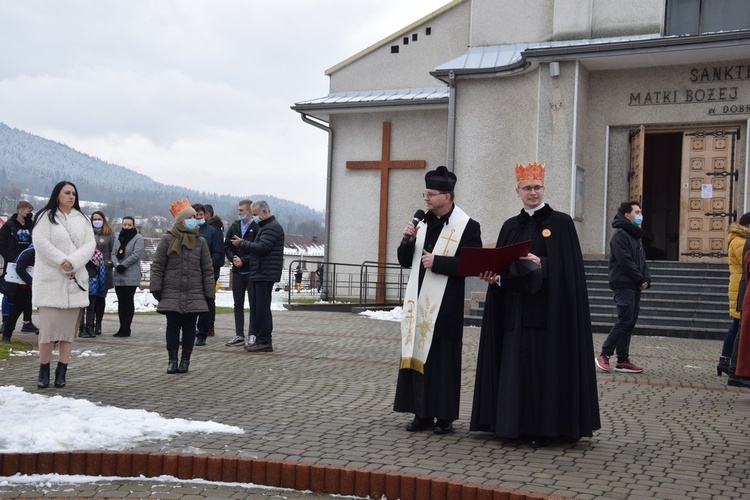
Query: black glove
[157, 295]
[120, 268]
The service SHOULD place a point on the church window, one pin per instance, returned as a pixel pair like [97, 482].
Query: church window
[394, 49]
[428, 31]
[406, 40]
[694, 17]
[414, 37]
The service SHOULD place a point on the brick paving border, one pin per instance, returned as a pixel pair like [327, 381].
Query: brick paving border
[318, 478]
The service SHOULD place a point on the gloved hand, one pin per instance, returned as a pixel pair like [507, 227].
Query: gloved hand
[120, 268]
[157, 295]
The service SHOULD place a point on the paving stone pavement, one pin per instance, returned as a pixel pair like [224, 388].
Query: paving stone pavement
[325, 396]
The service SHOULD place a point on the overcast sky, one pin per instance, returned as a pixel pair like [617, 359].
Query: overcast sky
[189, 92]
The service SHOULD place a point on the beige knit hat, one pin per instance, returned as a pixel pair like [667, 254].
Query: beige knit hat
[181, 210]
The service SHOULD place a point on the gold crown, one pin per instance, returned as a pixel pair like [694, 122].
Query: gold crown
[178, 206]
[531, 172]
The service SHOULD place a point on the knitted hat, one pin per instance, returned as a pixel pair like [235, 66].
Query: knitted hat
[531, 172]
[440, 179]
[181, 210]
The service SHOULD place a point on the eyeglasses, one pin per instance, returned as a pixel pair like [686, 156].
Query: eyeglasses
[528, 189]
[429, 196]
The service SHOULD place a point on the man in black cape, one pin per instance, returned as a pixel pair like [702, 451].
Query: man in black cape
[429, 381]
[534, 379]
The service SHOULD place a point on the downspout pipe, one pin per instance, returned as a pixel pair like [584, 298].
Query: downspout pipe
[329, 171]
[451, 153]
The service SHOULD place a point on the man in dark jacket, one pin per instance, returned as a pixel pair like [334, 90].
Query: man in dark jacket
[245, 228]
[15, 237]
[265, 270]
[628, 276]
[215, 242]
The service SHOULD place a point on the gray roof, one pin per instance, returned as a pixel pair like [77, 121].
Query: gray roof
[342, 102]
[600, 53]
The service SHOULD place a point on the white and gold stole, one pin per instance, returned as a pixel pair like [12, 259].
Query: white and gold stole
[421, 307]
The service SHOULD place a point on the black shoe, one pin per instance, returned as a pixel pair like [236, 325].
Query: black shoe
[420, 424]
[237, 341]
[98, 330]
[43, 381]
[443, 427]
[172, 365]
[5, 340]
[184, 362]
[736, 381]
[259, 348]
[540, 442]
[60, 371]
[200, 341]
[88, 333]
[120, 334]
[29, 328]
[723, 365]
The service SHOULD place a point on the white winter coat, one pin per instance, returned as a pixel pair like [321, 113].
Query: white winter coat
[72, 238]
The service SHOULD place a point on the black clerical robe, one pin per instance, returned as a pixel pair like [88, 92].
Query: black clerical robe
[437, 392]
[535, 367]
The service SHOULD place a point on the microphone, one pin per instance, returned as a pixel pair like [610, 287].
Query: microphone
[418, 217]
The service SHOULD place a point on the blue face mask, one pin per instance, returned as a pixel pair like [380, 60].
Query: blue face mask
[201, 221]
[256, 219]
[242, 217]
[191, 223]
[637, 220]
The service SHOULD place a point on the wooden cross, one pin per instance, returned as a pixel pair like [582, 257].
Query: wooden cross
[385, 165]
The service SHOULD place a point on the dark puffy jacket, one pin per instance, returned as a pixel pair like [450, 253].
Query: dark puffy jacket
[627, 259]
[13, 242]
[184, 279]
[267, 263]
[215, 242]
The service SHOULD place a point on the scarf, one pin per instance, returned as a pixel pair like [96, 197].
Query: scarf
[183, 237]
[422, 305]
[124, 237]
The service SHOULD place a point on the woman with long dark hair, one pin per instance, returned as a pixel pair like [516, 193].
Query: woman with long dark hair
[126, 259]
[64, 243]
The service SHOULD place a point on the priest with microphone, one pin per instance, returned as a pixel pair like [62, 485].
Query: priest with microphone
[429, 378]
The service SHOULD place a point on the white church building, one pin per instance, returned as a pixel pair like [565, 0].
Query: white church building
[644, 99]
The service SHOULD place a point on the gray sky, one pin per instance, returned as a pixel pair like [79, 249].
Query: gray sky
[189, 92]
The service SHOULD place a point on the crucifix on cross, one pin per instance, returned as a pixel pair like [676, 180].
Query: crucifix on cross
[385, 164]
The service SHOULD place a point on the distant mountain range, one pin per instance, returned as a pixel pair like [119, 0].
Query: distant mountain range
[32, 165]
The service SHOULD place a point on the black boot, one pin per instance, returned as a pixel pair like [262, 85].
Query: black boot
[172, 365]
[184, 361]
[723, 365]
[43, 381]
[98, 328]
[60, 371]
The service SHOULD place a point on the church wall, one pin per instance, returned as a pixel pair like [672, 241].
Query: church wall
[495, 22]
[579, 19]
[411, 67]
[355, 210]
[496, 129]
[634, 17]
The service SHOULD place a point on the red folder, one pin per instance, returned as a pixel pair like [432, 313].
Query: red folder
[474, 260]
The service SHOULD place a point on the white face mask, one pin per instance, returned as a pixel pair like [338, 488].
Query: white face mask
[98, 223]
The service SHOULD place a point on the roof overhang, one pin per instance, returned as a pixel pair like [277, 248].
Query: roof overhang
[600, 54]
[373, 100]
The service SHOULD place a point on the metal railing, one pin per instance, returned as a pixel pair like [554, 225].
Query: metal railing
[366, 283]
